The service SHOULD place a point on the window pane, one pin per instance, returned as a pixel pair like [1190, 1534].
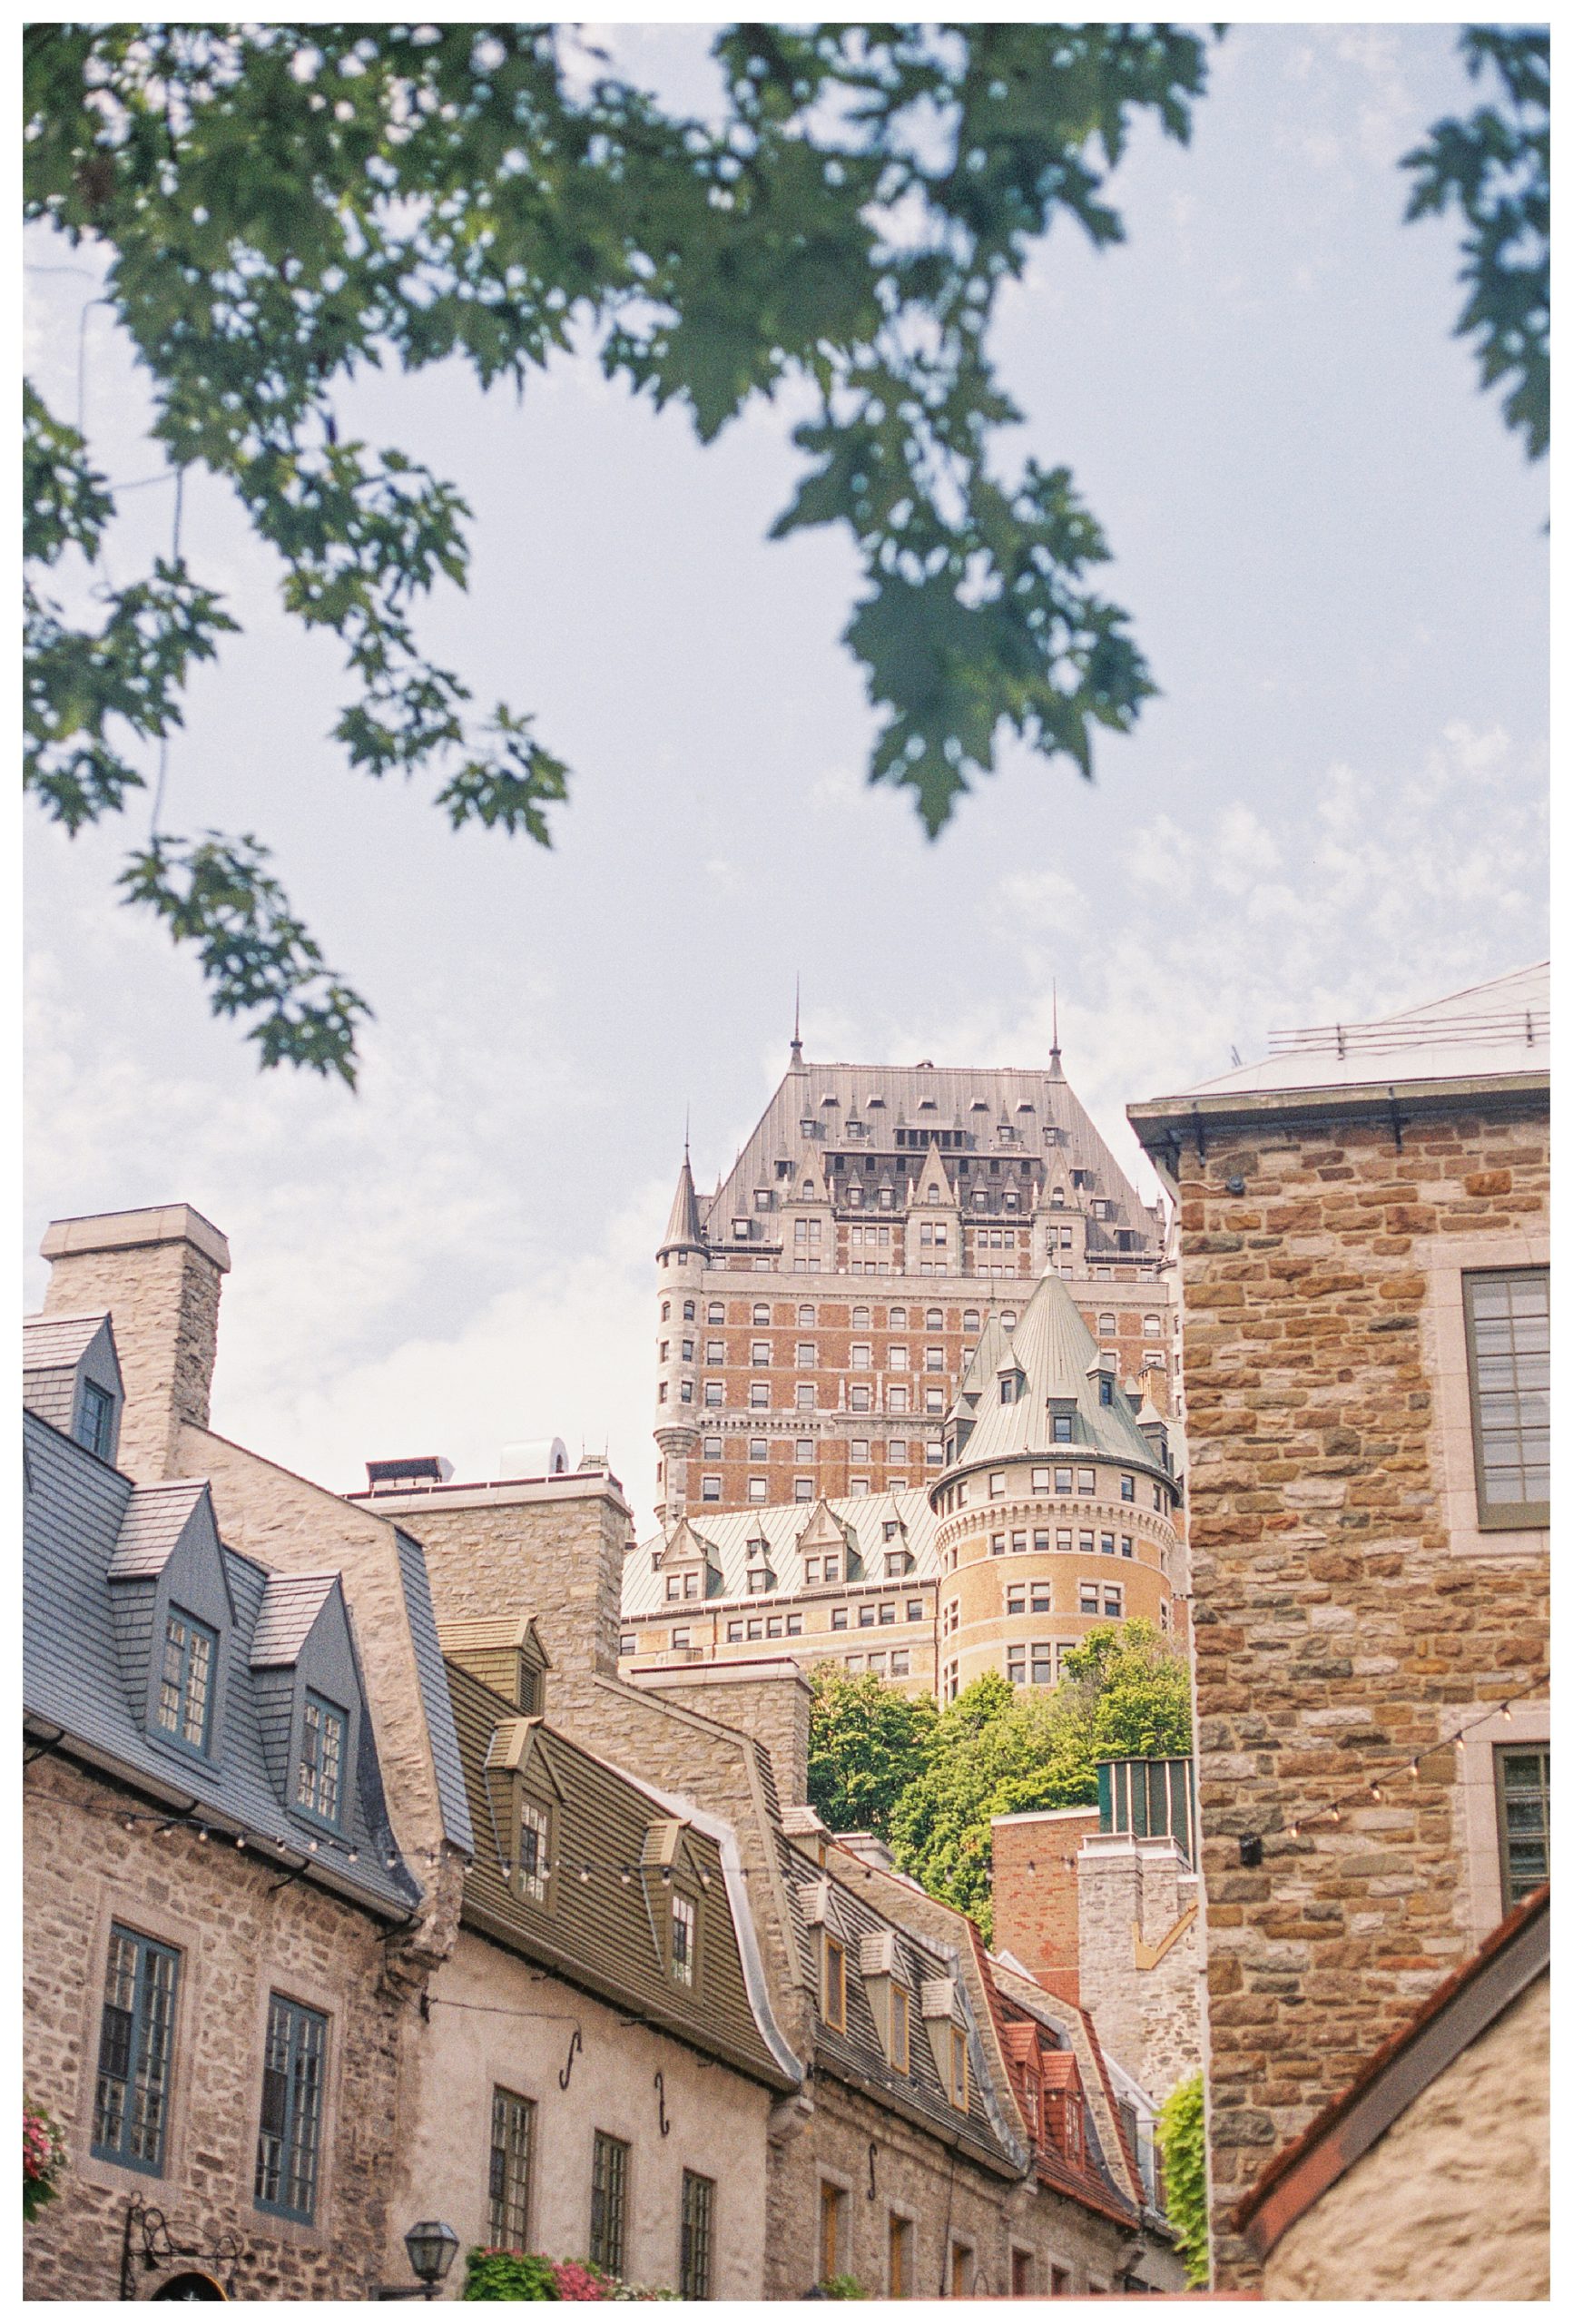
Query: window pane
[290, 2128]
[608, 2190]
[1509, 1318]
[693, 2269]
[513, 2127]
[136, 2033]
[1523, 1820]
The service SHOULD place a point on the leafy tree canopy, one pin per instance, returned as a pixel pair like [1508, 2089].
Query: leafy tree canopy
[1495, 168]
[1004, 1750]
[282, 205]
[867, 1742]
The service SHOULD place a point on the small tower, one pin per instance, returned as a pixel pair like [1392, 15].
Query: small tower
[681, 1260]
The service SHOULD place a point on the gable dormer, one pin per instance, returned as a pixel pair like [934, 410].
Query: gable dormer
[526, 1796]
[1103, 1373]
[690, 1565]
[174, 1616]
[827, 1548]
[759, 1564]
[71, 1378]
[506, 1654]
[310, 1700]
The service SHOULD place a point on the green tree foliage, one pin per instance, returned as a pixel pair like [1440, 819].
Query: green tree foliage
[1495, 168]
[1003, 1750]
[867, 1742]
[280, 207]
[1181, 2133]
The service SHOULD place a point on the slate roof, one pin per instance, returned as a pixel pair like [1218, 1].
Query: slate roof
[858, 2050]
[291, 1605]
[973, 1101]
[1095, 2181]
[1052, 1347]
[730, 1531]
[50, 1343]
[453, 1802]
[72, 1683]
[151, 1524]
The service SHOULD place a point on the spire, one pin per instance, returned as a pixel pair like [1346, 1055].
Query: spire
[1055, 1070]
[683, 1231]
[798, 1022]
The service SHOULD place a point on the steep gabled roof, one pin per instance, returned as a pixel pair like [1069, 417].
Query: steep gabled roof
[1057, 1356]
[291, 1605]
[155, 1518]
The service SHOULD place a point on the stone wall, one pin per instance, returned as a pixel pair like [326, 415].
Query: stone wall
[853, 2144]
[1141, 1958]
[241, 1935]
[1036, 1914]
[1454, 2203]
[1344, 1620]
[772, 1706]
[158, 1274]
[553, 1550]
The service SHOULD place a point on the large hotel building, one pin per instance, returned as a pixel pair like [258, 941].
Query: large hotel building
[826, 1320]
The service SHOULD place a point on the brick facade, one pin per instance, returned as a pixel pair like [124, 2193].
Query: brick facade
[1034, 1887]
[1351, 1614]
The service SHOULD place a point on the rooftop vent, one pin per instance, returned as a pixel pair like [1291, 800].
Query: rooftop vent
[536, 1456]
[403, 1476]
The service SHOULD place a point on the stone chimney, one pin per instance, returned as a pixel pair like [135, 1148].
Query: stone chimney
[157, 1273]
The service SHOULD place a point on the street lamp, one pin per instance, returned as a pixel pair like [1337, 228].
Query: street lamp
[431, 2245]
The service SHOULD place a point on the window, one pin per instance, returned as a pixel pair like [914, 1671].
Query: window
[758, 1490]
[1088, 1598]
[714, 1392]
[95, 1420]
[715, 1350]
[508, 2186]
[1127, 1488]
[1042, 1663]
[758, 1395]
[735, 1633]
[896, 1359]
[688, 1311]
[953, 2044]
[688, 1351]
[832, 1569]
[933, 1359]
[684, 1938]
[758, 1352]
[794, 1626]
[833, 1983]
[1020, 2275]
[1085, 1545]
[805, 1395]
[806, 1316]
[861, 1356]
[1064, 1423]
[709, 1489]
[1506, 1327]
[1085, 1481]
[833, 2251]
[914, 1610]
[290, 2134]
[1015, 1599]
[837, 1617]
[608, 2202]
[1062, 1480]
[135, 2040]
[1040, 1598]
[901, 1663]
[1127, 1547]
[694, 2257]
[1523, 1819]
[1018, 1542]
[320, 1778]
[1062, 1537]
[534, 1838]
[960, 2270]
[802, 1488]
[186, 1682]
[899, 2267]
[761, 1312]
[1105, 1542]
[1114, 1600]
[666, 1311]
[715, 1313]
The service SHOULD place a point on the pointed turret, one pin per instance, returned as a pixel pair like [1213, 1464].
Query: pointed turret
[1055, 1070]
[683, 1231]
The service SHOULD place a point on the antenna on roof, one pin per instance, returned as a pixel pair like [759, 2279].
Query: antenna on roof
[1055, 1072]
[687, 1110]
[798, 1022]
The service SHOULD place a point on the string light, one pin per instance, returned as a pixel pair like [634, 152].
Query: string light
[1502, 1709]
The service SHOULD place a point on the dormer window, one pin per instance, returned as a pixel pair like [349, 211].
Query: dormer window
[186, 1683]
[320, 1776]
[684, 1930]
[1106, 1388]
[759, 1578]
[533, 1862]
[1063, 1428]
[95, 1420]
[833, 1983]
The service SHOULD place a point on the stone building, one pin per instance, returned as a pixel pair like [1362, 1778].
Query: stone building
[1429, 2177]
[1364, 1253]
[1057, 1508]
[600, 2061]
[880, 1214]
[1102, 1907]
[236, 1847]
[900, 2159]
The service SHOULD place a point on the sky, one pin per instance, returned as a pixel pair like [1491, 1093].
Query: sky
[1333, 554]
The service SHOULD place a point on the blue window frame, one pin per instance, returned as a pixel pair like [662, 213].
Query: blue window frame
[289, 2133]
[95, 1419]
[135, 2047]
[320, 1778]
[185, 1704]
